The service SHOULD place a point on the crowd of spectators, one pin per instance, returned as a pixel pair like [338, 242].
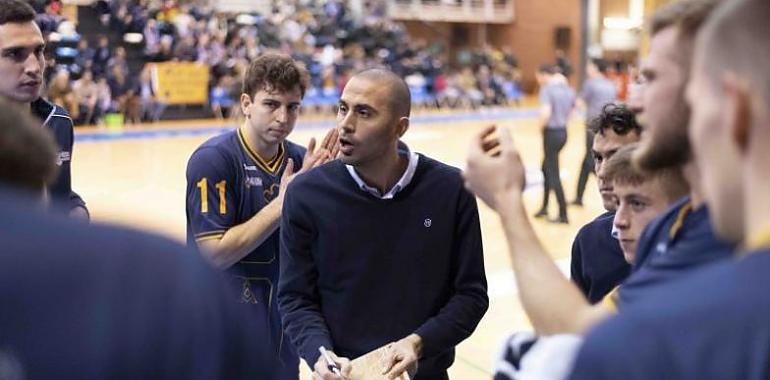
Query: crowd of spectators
[324, 35]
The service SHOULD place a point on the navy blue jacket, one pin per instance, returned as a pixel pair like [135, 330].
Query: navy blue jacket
[713, 325]
[93, 302]
[598, 265]
[358, 272]
[58, 121]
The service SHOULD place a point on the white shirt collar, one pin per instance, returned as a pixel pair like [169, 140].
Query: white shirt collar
[402, 183]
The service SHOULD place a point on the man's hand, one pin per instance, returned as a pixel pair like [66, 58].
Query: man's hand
[402, 356]
[494, 169]
[322, 371]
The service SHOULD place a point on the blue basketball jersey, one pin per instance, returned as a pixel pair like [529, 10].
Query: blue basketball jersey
[227, 184]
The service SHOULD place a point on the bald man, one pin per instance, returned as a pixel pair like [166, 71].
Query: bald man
[381, 247]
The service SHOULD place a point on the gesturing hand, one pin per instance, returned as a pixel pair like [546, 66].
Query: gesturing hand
[494, 167]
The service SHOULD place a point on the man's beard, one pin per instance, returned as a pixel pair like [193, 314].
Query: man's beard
[670, 145]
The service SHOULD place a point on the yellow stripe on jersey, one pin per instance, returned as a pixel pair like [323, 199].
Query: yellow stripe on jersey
[683, 212]
[268, 166]
[211, 235]
[758, 241]
[611, 301]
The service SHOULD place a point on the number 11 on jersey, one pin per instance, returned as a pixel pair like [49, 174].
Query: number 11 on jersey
[203, 185]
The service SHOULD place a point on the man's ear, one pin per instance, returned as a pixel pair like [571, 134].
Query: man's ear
[245, 104]
[403, 126]
[739, 110]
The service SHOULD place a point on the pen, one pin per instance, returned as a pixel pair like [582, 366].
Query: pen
[329, 362]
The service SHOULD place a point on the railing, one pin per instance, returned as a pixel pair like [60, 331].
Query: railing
[470, 11]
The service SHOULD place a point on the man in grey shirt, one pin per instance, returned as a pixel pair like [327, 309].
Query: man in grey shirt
[598, 91]
[557, 100]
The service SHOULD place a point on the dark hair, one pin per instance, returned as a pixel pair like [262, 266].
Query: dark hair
[27, 151]
[600, 64]
[15, 11]
[548, 68]
[275, 72]
[618, 117]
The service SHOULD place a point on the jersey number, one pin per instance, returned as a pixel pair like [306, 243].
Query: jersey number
[203, 185]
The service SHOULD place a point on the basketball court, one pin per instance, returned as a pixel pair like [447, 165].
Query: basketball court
[135, 176]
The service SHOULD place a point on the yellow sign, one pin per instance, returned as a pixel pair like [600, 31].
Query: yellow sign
[181, 82]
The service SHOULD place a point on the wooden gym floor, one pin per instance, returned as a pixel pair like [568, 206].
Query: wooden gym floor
[135, 176]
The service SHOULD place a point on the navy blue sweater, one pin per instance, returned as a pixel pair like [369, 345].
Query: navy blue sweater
[358, 272]
[598, 265]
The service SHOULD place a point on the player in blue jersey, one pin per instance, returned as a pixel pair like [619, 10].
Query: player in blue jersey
[235, 187]
[21, 76]
[716, 324]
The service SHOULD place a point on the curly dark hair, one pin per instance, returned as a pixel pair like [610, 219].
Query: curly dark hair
[618, 117]
[15, 11]
[275, 72]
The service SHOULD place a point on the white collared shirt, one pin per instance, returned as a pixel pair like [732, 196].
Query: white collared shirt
[406, 178]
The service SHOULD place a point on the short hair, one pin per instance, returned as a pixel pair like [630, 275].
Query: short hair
[687, 16]
[601, 65]
[620, 168]
[27, 151]
[400, 98]
[275, 72]
[548, 68]
[618, 117]
[16, 11]
[736, 39]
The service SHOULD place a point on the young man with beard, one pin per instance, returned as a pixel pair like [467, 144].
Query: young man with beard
[236, 184]
[21, 77]
[714, 324]
[381, 247]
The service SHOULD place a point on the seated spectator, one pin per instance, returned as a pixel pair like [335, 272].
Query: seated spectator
[221, 99]
[85, 58]
[102, 55]
[469, 88]
[151, 107]
[103, 96]
[60, 92]
[185, 50]
[87, 97]
[124, 95]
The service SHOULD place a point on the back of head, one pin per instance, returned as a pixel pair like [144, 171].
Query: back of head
[620, 168]
[27, 151]
[275, 72]
[400, 98]
[15, 11]
[617, 117]
[600, 65]
[737, 40]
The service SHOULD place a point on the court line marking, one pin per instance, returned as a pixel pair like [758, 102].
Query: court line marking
[171, 132]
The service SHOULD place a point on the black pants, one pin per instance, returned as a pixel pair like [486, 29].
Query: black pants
[553, 142]
[587, 167]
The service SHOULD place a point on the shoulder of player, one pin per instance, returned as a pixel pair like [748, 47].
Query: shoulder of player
[217, 148]
[602, 222]
[328, 174]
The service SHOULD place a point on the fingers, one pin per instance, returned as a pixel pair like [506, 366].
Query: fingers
[288, 170]
[388, 361]
[330, 139]
[310, 147]
[399, 369]
[480, 139]
[335, 150]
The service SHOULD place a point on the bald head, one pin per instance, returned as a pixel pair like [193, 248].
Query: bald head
[399, 98]
[735, 40]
